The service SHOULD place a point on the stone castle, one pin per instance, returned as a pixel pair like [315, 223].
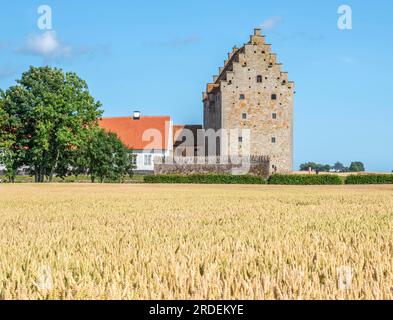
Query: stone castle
[252, 92]
[251, 98]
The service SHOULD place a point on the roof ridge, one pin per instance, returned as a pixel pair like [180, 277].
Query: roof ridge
[130, 117]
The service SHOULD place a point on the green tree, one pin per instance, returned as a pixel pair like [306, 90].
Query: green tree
[104, 157]
[306, 166]
[315, 167]
[50, 113]
[339, 167]
[357, 166]
[10, 152]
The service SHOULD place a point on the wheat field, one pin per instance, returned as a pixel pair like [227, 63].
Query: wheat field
[195, 242]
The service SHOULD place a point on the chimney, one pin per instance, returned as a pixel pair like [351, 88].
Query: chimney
[136, 115]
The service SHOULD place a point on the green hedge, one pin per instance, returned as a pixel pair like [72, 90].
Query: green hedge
[370, 179]
[303, 179]
[205, 179]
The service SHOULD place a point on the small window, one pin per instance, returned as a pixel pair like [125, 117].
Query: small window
[259, 79]
[274, 115]
[242, 97]
[244, 116]
[240, 139]
[273, 140]
[147, 159]
[274, 96]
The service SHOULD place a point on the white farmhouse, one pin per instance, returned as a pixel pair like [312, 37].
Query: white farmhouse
[147, 136]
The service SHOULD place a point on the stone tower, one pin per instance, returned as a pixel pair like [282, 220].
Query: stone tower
[252, 92]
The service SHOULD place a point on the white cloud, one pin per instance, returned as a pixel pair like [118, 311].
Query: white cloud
[51, 48]
[47, 45]
[271, 23]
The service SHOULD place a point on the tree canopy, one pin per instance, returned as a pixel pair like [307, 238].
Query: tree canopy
[46, 119]
[315, 167]
[338, 166]
[357, 166]
[104, 157]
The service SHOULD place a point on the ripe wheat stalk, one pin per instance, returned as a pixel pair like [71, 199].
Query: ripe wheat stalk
[195, 242]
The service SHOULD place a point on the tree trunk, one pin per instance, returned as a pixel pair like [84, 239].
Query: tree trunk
[39, 176]
[54, 165]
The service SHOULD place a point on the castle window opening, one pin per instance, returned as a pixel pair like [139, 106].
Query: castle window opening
[259, 79]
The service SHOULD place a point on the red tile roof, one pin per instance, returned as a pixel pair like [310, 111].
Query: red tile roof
[131, 131]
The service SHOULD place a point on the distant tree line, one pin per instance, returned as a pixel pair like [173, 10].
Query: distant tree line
[49, 125]
[355, 166]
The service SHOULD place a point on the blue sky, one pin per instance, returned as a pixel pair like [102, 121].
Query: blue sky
[157, 56]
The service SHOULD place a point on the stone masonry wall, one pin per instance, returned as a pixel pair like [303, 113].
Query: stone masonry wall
[255, 94]
[258, 166]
